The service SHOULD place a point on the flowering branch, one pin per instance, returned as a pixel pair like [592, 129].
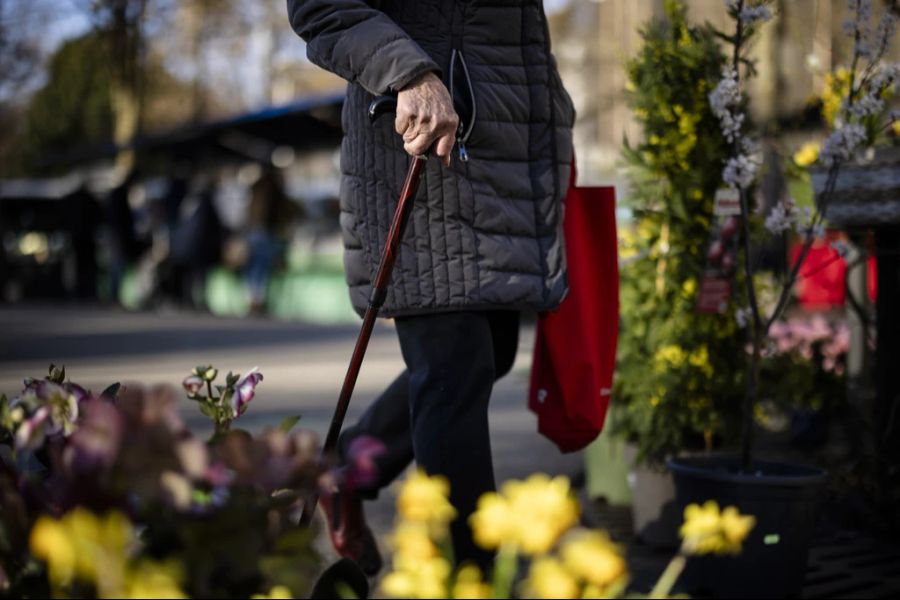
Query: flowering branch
[863, 103]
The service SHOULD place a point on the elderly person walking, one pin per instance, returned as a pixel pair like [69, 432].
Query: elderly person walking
[477, 86]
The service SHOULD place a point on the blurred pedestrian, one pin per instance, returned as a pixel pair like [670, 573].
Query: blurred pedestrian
[270, 220]
[83, 216]
[484, 239]
[123, 243]
[196, 242]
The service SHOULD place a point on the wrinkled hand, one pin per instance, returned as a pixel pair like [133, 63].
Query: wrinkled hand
[425, 116]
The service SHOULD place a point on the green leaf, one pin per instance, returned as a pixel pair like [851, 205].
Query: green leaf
[288, 423]
[208, 410]
[57, 374]
[112, 391]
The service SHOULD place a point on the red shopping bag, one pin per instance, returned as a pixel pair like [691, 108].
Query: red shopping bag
[575, 345]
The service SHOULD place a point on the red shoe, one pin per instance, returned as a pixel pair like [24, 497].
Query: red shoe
[350, 535]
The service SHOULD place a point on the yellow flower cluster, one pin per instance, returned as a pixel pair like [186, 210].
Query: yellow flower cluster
[807, 155]
[530, 514]
[674, 356]
[278, 592]
[424, 499]
[94, 549]
[589, 565]
[837, 86]
[420, 570]
[707, 530]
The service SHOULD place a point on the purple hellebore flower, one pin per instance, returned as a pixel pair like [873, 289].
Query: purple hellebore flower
[361, 470]
[96, 442]
[192, 384]
[31, 433]
[76, 391]
[244, 390]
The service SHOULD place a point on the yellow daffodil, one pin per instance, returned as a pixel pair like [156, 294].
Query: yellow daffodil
[529, 514]
[707, 530]
[399, 584]
[418, 579]
[469, 584]
[592, 556]
[807, 155]
[493, 522]
[542, 509]
[85, 546]
[700, 530]
[411, 540]
[278, 591]
[424, 499]
[151, 579]
[547, 578]
[51, 543]
[735, 527]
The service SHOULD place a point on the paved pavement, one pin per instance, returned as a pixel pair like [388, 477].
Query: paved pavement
[303, 365]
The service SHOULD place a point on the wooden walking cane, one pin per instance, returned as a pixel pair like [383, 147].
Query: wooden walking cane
[378, 107]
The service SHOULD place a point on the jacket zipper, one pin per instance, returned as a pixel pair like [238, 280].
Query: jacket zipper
[456, 55]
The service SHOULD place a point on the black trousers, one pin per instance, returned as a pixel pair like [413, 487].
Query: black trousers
[436, 411]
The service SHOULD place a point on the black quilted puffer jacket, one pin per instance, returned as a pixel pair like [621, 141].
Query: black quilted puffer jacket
[487, 231]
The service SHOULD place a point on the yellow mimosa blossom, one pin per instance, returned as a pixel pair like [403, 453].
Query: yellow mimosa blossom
[700, 359]
[151, 579]
[837, 85]
[896, 127]
[807, 155]
[547, 578]
[689, 287]
[469, 584]
[278, 591]
[707, 530]
[592, 556]
[543, 509]
[493, 522]
[672, 355]
[424, 499]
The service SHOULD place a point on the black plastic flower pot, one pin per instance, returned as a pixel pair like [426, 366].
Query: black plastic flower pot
[782, 498]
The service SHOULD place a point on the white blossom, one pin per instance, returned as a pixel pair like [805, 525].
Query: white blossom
[841, 247]
[842, 144]
[723, 99]
[807, 226]
[866, 105]
[888, 75]
[742, 316]
[754, 14]
[887, 28]
[740, 171]
[858, 22]
[782, 217]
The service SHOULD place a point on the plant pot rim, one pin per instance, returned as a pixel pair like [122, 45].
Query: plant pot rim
[725, 468]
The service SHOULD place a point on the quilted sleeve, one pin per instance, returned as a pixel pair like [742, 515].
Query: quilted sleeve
[359, 43]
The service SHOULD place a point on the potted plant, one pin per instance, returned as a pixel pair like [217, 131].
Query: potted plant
[678, 374]
[780, 495]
